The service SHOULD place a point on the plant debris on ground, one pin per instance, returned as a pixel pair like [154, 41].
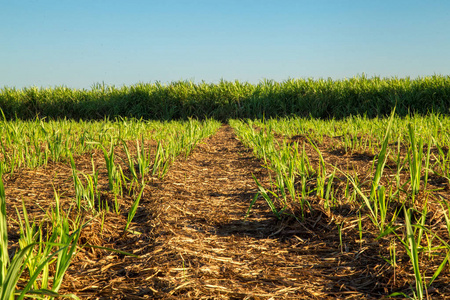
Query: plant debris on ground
[193, 236]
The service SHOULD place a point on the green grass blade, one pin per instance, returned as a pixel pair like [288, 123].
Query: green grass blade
[134, 208]
[13, 274]
[382, 156]
[413, 253]
[4, 258]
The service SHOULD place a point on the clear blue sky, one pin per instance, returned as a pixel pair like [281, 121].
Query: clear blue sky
[79, 43]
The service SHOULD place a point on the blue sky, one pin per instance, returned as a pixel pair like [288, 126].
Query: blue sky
[79, 43]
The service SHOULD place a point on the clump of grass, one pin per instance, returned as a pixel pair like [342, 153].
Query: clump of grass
[36, 255]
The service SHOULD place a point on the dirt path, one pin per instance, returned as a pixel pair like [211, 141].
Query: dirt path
[214, 252]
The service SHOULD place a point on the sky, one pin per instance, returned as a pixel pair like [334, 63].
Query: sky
[80, 43]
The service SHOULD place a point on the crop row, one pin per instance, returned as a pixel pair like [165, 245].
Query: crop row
[181, 100]
[134, 152]
[394, 173]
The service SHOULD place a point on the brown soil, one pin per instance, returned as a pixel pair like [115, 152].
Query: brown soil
[195, 241]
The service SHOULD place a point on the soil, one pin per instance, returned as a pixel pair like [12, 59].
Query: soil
[192, 237]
